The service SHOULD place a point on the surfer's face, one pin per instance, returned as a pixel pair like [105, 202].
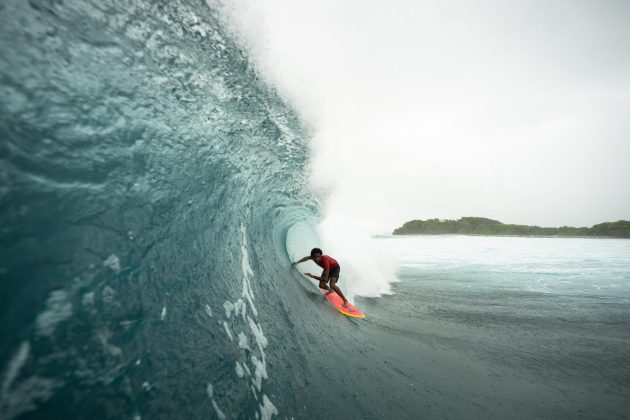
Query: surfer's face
[317, 257]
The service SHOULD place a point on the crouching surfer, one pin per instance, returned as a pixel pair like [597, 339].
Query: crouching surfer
[330, 274]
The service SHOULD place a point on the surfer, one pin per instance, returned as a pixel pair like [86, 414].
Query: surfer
[331, 272]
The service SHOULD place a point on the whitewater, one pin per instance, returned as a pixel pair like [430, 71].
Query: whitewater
[153, 192]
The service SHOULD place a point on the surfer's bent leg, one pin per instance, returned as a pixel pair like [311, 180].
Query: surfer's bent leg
[323, 285]
[333, 285]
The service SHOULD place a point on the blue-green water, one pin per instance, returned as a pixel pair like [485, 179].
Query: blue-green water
[148, 180]
[148, 185]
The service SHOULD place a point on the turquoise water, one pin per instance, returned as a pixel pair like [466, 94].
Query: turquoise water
[147, 182]
[152, 194]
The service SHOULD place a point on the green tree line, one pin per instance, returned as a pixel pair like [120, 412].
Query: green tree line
[483, 226]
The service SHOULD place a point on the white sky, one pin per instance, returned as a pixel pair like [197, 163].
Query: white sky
[513, 110]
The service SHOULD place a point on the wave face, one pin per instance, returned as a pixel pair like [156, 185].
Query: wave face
[148, 182]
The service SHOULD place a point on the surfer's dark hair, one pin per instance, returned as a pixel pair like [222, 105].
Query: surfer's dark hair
[316, 251]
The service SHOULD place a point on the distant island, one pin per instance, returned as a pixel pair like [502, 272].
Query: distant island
[483, 226]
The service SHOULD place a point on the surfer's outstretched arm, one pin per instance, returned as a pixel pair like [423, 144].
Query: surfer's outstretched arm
[324, 276]
[308, 257]
[323, 280]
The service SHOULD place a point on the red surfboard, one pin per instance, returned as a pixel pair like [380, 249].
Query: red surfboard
[337, 302]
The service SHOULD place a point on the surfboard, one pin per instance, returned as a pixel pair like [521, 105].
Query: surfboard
[337, 302]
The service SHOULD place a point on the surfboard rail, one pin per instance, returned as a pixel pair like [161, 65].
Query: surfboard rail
[349, 310]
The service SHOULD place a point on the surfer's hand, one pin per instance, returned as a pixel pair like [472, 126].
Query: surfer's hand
[308, 274]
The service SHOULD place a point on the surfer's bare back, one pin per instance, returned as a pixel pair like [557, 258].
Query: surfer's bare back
[330, 274]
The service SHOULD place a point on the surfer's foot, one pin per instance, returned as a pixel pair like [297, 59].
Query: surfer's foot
[329, 292]
[345, 304]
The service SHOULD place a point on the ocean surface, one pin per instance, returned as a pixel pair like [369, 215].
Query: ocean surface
[153, 191]
[509, 327]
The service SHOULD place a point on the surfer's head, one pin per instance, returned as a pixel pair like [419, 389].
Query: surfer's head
[316, 254]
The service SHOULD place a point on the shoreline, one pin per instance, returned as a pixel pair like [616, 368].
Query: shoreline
[391, 235]
[481, 226]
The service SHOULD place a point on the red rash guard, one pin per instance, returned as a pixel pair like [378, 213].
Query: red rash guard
[327, 263]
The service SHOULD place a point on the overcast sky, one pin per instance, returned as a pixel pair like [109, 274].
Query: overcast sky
[513, 110]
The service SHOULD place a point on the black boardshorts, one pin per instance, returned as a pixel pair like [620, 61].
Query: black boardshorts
[333, 273]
